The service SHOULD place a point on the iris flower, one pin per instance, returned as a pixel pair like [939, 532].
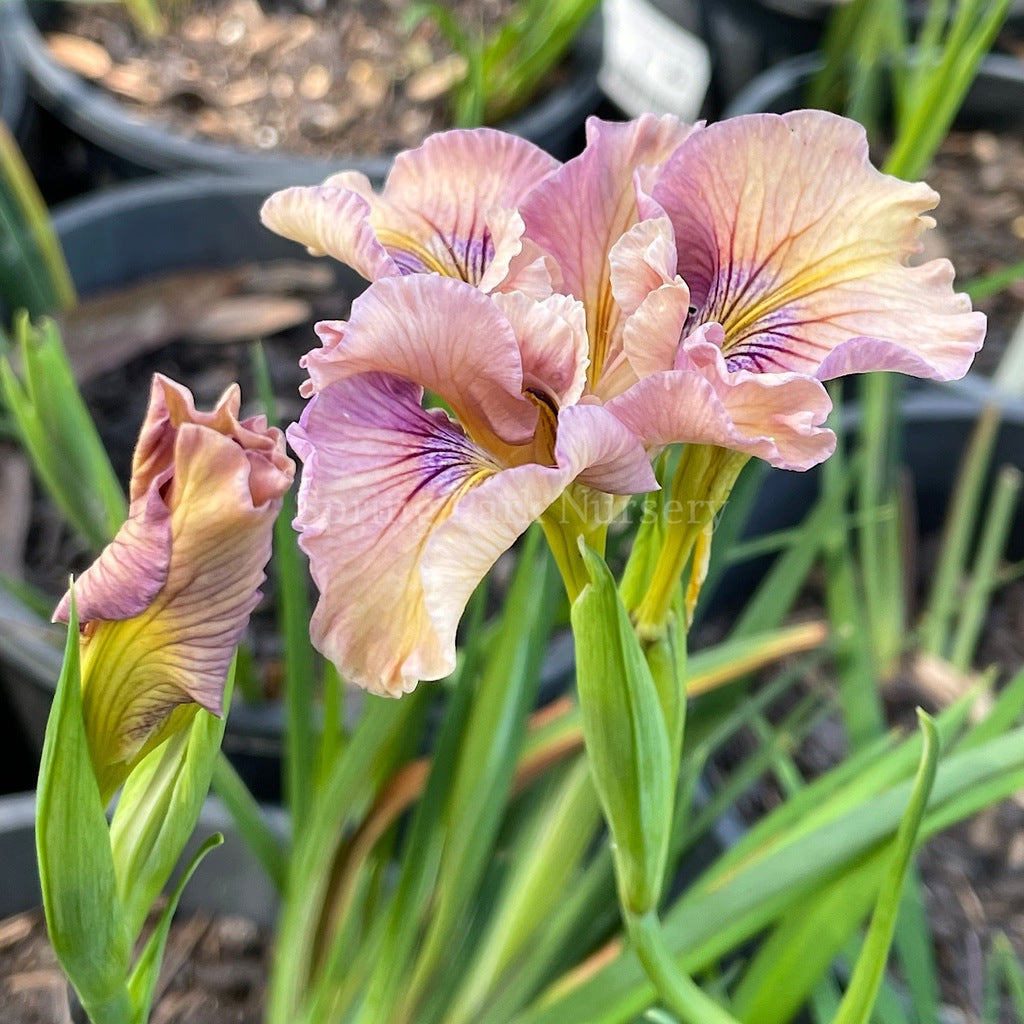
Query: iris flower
[165, 604]
[706, 280]
[402, 509]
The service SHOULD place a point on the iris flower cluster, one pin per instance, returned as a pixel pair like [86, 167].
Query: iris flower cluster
[673, 283]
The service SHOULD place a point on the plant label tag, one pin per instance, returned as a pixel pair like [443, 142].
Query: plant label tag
[651, 64]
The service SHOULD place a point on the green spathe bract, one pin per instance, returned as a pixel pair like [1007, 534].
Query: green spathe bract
[626, 738]
[159, 808]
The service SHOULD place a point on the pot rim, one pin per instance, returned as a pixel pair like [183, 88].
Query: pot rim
[13, 84]
[757, 96]
[101, 119]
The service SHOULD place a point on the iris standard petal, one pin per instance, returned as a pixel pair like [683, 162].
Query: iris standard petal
[552, 339]
[654, 300]
[797, 246]
[579, 212]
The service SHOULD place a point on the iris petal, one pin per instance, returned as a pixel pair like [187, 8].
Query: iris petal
[797, 246]
[580, 211]
[776, 417]
[443, 210]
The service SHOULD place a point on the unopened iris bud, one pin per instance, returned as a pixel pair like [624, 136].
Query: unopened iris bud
[164, 606]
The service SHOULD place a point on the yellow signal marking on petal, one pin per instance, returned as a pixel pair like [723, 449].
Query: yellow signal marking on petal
[801, 286]
[600, 340]
[397, 240]
[543, 447]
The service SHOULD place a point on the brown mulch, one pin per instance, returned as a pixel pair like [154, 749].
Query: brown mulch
[980, 177]
[312, 78]
[214, 969]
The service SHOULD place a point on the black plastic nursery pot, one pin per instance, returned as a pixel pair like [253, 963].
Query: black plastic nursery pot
[937, 423]
[747, 37]
[995, 100]
[744, 37]
[13, 90]
[553, 122]
[228, 881]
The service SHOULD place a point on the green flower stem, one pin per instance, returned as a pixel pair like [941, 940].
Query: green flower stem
[677, 990]
[563, 524]
[699, 490]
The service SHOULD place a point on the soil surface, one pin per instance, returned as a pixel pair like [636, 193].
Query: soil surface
[980, 177]
[214, 972]
[313, 78]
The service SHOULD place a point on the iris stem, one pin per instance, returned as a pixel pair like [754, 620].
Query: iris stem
[676, 989]
[564, 524]
[700, 488]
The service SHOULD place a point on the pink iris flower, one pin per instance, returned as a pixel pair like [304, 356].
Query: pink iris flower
[706, 280]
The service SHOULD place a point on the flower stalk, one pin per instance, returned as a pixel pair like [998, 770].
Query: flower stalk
[700, 488]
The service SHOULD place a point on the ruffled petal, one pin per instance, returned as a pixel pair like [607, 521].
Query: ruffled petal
[519, 265]
[204, 528]
[493, 168]
[597, 449]
[797, 246]
[552, 338]
[776, 417]
[445, 336]
[381, 476]
[653, 298]
[402, 515]
[580, 211]
[440, 211]
[330, 220]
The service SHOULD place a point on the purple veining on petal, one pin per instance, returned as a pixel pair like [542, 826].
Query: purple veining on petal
[743, 361]
[446, 455]
[407, 262]
[474, 254]
[466, 258]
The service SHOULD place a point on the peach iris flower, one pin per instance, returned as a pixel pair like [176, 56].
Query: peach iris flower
[673, 283]
[165, 604]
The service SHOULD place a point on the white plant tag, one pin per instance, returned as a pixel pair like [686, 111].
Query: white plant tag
[651, 64]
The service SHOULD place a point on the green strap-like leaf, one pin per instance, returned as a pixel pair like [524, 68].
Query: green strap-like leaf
[867, 976]
[76, 869]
